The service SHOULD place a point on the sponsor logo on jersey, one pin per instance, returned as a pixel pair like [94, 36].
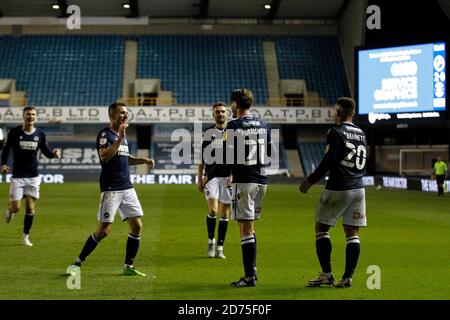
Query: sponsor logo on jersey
[123, 151]
[28, 145]
[217, 143]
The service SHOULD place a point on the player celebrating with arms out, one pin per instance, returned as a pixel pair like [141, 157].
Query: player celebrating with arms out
[117, 192]
[217, 195]
[344, 194]
[25, 141]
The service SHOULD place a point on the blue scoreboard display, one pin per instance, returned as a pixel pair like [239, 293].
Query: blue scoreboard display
[407, 79]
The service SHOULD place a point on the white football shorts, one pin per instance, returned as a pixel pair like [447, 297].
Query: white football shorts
[124, 201]
[217, 189]
[247, 201]
[348, 204]
[21, 187]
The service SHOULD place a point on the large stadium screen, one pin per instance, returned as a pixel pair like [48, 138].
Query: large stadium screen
[406, 79]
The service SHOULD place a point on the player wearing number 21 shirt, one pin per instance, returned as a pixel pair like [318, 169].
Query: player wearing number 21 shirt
[248, 141]
[344, 194]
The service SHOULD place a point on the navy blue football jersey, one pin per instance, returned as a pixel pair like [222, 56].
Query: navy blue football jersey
[115, 175]
[248, 141]
[25, 147]
[345, 158]
[213, 138]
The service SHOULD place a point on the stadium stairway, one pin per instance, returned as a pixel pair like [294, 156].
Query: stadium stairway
[129, 68]
[272, 74]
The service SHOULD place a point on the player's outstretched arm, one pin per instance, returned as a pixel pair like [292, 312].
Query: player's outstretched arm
[133, 161]
[45, 149]
[57, 154]
[330, 157]
[200, 177]
[304, 187]
[204, 181]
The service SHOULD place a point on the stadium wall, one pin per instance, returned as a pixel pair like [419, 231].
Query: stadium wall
[313, 133]
[176, 29]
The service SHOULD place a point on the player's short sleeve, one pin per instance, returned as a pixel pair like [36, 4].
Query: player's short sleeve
[103, 140]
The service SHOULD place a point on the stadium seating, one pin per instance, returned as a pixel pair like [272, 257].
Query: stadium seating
[64, 70]
[310, 154]
[317, 59]
[204, 69]
[58, 70]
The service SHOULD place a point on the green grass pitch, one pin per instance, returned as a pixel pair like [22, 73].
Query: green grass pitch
[408, 237]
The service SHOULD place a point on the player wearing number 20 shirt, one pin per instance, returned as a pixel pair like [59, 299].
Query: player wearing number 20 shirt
[344, 194]
[345, 160]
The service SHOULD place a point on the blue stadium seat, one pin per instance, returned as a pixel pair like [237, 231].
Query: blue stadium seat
[310, 154]
[204, 69]
[317, 59]
[62, 70]
[198, 69]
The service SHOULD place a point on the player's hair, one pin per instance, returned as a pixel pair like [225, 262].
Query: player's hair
[28, 108]
[112, 108]
[219, 104]
[243, 98]
[347, 105]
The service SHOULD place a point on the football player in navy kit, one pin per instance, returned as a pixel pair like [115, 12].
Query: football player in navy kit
[344, 194]
[117, 192]
[247, 141]
[25, 142]
[217, 194]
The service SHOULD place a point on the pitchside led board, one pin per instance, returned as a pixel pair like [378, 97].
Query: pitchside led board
[405, 82]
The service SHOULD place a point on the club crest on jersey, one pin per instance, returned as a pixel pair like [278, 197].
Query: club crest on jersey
[36, 138]
[102, 141]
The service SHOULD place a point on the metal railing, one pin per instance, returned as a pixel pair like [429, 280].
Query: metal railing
[157, 101]
[14, 102]
[278, 102]
[148, 101]
[298, 102]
